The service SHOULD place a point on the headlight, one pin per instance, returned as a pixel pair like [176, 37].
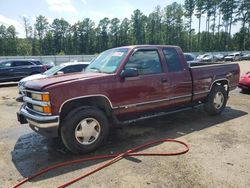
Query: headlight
[38, 108]
[43, 109]
[40, 97]
[38, 101]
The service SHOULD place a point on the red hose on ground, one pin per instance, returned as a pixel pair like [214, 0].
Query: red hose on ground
[116, 157]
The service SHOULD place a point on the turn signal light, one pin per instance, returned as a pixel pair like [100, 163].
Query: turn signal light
[45, 97]
[47, 109]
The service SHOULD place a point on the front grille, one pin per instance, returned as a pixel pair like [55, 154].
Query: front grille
[35, 105]
[28, 94]
[30, 105]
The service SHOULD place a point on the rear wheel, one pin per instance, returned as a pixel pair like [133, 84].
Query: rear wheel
[84, 130]
[217, 100]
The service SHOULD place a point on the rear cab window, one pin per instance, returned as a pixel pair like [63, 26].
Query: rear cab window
[146, 61]
[172, 59]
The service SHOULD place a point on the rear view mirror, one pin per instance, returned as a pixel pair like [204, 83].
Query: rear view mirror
[60, 73]
[130, 72]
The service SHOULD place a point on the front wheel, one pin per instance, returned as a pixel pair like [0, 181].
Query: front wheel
[217, 100]
[84, 130]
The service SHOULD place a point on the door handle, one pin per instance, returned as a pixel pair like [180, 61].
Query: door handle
[164, 80]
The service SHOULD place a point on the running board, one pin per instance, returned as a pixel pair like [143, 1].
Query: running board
[153, 115]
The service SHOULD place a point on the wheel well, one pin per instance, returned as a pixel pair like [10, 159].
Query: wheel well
[98, 101]
[223, 83]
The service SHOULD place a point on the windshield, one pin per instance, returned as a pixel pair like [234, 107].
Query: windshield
[53, 70]
[108, 61]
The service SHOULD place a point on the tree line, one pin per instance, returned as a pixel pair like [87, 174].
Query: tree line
[172, 25]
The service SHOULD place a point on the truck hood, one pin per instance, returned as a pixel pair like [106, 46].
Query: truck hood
[32, 77]
[40, 84]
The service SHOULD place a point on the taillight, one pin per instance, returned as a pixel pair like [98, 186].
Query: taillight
[44, 68]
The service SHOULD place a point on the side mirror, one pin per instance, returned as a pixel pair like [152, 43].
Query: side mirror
[60, 73]
[130, 72]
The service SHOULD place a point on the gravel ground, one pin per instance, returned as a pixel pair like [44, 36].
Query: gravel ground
[219, 153]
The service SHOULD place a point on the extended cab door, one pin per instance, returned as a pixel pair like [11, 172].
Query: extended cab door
[179, 77]
[148, 90]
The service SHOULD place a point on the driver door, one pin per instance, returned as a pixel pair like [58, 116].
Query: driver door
[141, 93]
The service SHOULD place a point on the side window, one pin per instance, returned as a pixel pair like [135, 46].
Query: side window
[84, 66]
[172, 59]
[27, 63]
[21, 63]
[189, 57]
[79, 68]
[66, 69]
[72, 68]
[37, 62]
[145, 61]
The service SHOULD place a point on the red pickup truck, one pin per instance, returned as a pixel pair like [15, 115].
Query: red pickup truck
[121, 85]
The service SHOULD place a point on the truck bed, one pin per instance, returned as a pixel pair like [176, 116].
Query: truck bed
[204, 75]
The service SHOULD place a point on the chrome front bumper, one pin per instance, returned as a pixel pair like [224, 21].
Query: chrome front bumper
[38, 120]
[44, 125]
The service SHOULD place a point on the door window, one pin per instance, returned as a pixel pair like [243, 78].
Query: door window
[172, 59]
[21, 63]
[73, 68]
[189, 57]
[145, 61]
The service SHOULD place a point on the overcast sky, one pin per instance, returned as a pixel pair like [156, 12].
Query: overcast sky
[11, 11]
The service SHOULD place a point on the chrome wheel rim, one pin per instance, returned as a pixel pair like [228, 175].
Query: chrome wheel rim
[87, 131]
[218, 100]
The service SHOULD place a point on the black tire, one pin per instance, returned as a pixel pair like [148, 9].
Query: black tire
[245, 90]
[213, 108]
[71, 123]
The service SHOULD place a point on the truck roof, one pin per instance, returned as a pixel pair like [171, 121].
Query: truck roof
[147, 46]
